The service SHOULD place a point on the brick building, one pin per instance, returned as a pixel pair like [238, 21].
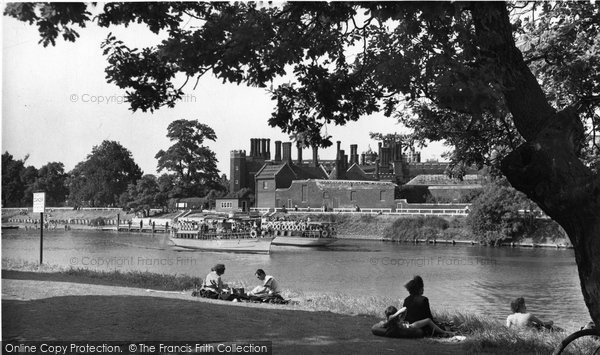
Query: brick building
[336, 194]
[368, 179]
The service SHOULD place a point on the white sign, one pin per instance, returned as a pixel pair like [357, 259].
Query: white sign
[39, 202]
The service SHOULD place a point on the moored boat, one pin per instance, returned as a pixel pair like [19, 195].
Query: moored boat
[300, 233]
[228, 236]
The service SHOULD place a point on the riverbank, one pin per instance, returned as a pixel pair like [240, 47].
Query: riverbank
[422, 229]
[90, 306]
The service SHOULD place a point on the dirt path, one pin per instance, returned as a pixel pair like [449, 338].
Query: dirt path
[58, 310]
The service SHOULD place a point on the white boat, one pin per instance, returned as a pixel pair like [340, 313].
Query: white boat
[302, 234]
[224, 238]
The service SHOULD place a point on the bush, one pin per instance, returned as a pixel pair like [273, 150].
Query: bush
[429, 227]
[495, 214]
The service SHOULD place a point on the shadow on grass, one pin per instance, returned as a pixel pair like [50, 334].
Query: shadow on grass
[139, 318]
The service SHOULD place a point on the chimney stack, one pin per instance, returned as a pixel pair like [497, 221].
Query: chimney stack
[287, 152]
[362, 159]
[315, 156]
[256, 148]
[299, 154]
[337, 155]
[268, 149]
[353, 154]
[252, 147]
[277, 151]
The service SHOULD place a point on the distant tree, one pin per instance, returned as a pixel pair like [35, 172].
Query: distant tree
[143, 194]
[494, 215]
[13, 188]
[29, 176]
[104, 176]
[224, 182]
[193, 163]
[52, 179]
[166, 188]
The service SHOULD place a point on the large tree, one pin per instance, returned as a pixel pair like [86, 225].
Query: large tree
[13, 187]
[144, 194]
[193, 163]
[455, 67]
[52, 179]
[104, 176]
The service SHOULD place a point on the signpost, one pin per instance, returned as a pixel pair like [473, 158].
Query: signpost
[39, 204]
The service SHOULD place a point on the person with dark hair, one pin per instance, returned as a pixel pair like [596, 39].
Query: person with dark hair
[417, 305]
[521, 319]
[270, 287]
[213, 286]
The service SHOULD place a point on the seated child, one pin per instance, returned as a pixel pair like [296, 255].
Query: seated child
[394, 326]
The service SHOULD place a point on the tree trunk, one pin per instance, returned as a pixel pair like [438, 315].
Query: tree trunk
[546, 168]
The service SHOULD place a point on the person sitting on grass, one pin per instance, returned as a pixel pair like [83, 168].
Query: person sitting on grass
[270, 287]
[214, 287]
[396, 325]
[522, 319]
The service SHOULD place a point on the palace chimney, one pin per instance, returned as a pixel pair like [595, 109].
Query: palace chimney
[287, 152]
[353, 154]
[263, 151]
[277, 151]
[299, 154]
[315, 158]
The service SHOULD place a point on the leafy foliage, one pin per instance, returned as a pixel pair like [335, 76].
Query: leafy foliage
[52, 179]
[144, 194]
[494, 215]
[104, 176]
[52, 19]
[194, 165]
[421, 63]
[20, 182]
[13, 187]
[560, 42]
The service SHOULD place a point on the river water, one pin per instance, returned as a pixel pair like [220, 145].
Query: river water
[474, 279]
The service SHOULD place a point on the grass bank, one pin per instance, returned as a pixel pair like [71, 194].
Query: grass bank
[483, 335]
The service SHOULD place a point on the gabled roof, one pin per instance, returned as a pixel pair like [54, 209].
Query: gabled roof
[355, 172]
[309, 172]
[269, 171]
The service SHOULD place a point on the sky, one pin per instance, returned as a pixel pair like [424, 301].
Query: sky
[57, 105]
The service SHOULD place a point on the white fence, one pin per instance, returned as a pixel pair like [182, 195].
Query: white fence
[431, 212]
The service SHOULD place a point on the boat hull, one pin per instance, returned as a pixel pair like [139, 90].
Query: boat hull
[302, 241]
[242, 245]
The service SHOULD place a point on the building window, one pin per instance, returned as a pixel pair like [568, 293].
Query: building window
[226, 204]
[382, 195]
[304, 193]
[265, 185]
[352, 195]
[237, 182]
[325, 194]
[237, 168]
